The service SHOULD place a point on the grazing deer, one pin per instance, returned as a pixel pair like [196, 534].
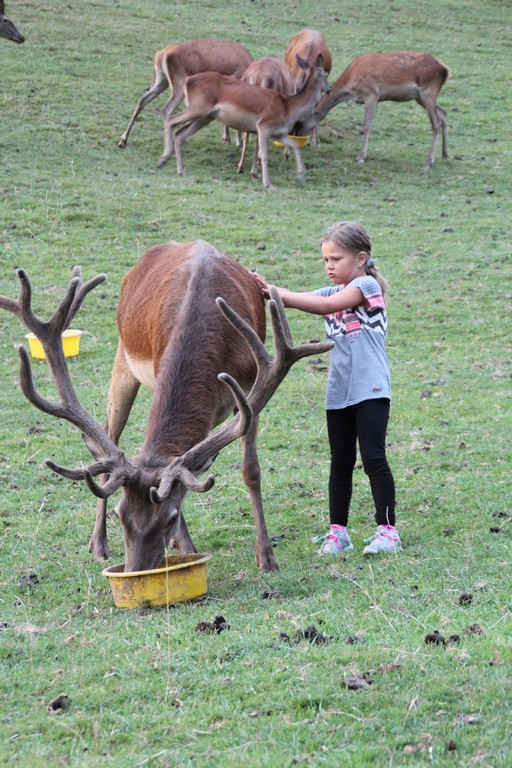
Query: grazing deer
[268, 72]
[173, 64]
[397, 76]
[7, 28]
[309, 44]
[211, 96]
[201, 355]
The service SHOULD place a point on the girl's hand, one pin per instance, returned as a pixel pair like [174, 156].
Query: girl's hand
[262, 285]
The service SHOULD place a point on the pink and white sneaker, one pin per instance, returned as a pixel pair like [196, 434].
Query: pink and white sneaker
[386, 539]
[336, 541]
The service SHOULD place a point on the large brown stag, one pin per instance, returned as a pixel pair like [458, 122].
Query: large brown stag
[395, 76]
[7, 28]
[264, 111]
[200, 354]
[174, 63]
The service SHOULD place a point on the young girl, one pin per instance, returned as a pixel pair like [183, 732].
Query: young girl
[358, 385]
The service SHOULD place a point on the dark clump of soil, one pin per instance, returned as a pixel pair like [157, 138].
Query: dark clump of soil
[61, 702]
[310, 634]
[357, 683]
[465, 599]
[355, 639]
[28, 580]
[435, 638]
[473, 629]
[218, 625]
[271, 594]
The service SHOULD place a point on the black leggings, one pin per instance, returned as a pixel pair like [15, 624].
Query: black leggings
[366, 424]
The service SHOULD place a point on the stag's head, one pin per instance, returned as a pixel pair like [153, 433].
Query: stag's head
[7, 28]
[149, 508]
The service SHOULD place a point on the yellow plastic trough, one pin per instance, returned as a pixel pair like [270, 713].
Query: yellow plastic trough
[179, 578]
[70, 344]
[300, 140]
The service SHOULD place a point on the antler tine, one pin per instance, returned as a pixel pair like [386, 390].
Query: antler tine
[111, 459]
[282, 334]
[81, 292]
[256, 345]
[271, 371]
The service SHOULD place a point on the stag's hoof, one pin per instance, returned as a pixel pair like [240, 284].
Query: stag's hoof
[122, 143]
[266, 562]
[100, 549]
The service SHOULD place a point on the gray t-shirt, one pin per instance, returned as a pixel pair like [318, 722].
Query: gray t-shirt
[359, 368]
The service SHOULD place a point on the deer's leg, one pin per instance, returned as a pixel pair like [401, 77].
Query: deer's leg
[263, 138]
[245, 140]
[370, 106]
[122, 392]
[158, 85]
[183, 133]
[254, 168]
[437, 118]
[170, 121]
[301, 172]
[252, 477]
[441, 114]
[172, 104]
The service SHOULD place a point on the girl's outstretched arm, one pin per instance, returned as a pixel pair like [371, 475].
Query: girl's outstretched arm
[311, 302]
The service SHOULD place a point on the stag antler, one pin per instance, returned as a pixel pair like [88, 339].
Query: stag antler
[110, 459]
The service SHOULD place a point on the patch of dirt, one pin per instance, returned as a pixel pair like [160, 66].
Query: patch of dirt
[434, 638]
[357, 683]
[271, 594]
[310, 635]
[58, 704]
[28, 580]
[466, 598]
[218, 625]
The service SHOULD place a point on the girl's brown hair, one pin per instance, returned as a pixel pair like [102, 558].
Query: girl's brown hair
[354, 237]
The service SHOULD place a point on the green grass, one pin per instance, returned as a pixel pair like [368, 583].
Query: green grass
[146, 689]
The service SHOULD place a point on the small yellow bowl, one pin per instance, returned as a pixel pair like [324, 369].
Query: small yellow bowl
[70, 344]
[300, 140]
[179, 578]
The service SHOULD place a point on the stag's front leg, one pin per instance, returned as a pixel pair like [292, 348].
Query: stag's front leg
[121, 395]
[252, 477]
[98, 543]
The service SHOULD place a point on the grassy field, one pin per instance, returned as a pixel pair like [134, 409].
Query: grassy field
[144, 687]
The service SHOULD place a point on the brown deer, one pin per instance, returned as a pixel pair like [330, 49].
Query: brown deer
[309, 44]
[201, 355]
[268, 72]
[396, 76]
[173, 64]
[211, 96]
[7, 28]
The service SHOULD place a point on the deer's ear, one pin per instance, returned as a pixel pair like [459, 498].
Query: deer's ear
[303, 64]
